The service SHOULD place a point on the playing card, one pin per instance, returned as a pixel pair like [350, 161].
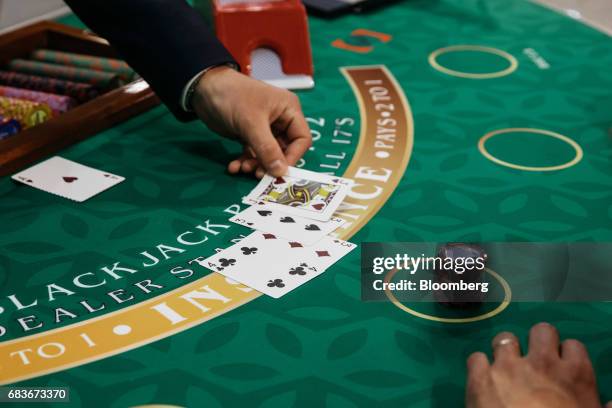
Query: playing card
[301, 192]
[67, 179]
[286, 226]
[276, 266]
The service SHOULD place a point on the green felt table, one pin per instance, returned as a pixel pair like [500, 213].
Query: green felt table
[501, 117]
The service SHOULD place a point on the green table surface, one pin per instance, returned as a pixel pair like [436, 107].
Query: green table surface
[321, 345]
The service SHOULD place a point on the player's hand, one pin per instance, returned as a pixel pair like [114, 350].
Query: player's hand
[267, 120]
[551, 374]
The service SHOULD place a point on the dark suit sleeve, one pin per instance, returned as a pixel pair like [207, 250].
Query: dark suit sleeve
[165, 41]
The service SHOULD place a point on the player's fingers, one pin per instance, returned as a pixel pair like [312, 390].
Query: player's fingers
[505, 347]
[609, 404]
[477, 379]
[259, 173]
[575, 354]
[477, 365]
[573, 351]
[266, 148]
[543, 343]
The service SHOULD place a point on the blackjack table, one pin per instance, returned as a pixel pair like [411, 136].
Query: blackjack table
[459, 121]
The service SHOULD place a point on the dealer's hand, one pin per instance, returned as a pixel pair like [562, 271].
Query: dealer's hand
[551, 374]
[267, 120]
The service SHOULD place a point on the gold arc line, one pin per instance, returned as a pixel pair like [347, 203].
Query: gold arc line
[569, 141]
[345, 234]
[500, 308]
[432, 59]
[130, 346]
[362, 136]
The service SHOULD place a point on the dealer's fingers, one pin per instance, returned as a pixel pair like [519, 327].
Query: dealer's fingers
[259, 173]
[266, 148]
[248, 165]
[235, 165]
[543, 342]
[505, 346]
[297, 133]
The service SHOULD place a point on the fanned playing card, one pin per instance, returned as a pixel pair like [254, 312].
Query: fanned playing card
[67, 179]
[301, 192]
[286, 226]
[276, 266]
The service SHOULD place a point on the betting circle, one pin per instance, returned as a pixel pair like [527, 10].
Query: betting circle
[513, 63]
[577, 157]
[500, 308]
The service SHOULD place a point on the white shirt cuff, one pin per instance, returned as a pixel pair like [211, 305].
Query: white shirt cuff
[185, 94]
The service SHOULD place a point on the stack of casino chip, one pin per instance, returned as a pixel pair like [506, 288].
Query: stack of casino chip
[79, 91]
[50, 82]
[85, 61]
[8, 127]
[58, 103]
[27, 113]
[100, 79]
